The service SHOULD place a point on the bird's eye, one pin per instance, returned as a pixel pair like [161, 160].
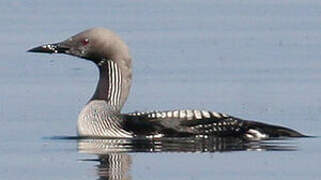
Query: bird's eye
[84, 42]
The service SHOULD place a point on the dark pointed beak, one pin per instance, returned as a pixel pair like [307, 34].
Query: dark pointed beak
[50, 48]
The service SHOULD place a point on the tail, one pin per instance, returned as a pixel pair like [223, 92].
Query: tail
[263, 130]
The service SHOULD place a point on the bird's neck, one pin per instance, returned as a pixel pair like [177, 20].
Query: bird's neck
[114, 82]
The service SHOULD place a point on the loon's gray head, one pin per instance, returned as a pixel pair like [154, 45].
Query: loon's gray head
[108, 52]
[93, 44]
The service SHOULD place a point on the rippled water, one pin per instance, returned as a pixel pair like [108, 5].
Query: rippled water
[256, 60]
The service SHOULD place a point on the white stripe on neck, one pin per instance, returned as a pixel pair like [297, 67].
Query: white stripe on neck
[114, 83]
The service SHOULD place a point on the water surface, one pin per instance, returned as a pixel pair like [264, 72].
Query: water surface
[256, 60]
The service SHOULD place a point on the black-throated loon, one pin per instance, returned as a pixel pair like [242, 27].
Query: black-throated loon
[101, 117]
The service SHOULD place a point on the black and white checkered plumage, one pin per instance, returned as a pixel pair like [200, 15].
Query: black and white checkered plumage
[199, 123]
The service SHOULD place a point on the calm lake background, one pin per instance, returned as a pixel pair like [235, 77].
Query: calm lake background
[258, 60]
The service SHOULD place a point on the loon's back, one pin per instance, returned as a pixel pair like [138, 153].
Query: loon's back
[183, 123]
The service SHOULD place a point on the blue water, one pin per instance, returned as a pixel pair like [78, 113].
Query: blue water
[257, 60]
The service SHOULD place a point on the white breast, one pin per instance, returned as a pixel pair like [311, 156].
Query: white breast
[99, 119]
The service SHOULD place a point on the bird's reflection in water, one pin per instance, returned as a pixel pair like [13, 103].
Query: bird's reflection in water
[115, 160]
[114, 166]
